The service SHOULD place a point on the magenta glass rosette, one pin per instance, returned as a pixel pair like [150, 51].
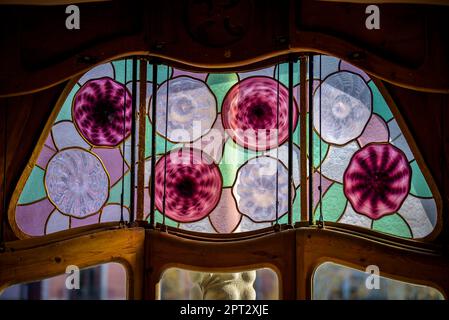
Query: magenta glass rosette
[99, 113]
[377, 180]
[250, 113]
[193, 184]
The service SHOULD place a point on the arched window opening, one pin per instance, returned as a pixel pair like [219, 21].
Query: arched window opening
[333, 281]
[182, 284]
[102, 282]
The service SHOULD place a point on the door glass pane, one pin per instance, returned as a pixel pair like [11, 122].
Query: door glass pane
[336, 282]
[102, 282]
[181, 284]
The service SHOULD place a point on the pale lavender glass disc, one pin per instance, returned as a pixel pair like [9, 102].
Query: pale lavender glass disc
[344, 109]
[76, 182]
[255, 189]
[192, 109]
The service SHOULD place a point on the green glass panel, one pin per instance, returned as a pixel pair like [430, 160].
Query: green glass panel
[284, 219]
[296, 215]
[66, 110]
[296, 133]
[220, 83]
[283, 73]
[160, 141]
[229, 172]
[317, 157]
[148, 151]
[119, 67]
[233, 157]
[316, 145]
[297, 206]
[159, 218]
[161, 73]
[334, 203]
[419, 186]
[393, 224]
[116, 191]
[380, 106]
[34, 187]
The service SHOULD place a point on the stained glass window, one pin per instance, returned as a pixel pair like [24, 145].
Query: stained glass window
[368, 172]
[221, 162]
[337, 282]
[81, 174]
[222, 153]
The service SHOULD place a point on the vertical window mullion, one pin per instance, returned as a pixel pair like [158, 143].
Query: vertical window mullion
[142, 130]
[303, 134]
[153, 146]
[310, 144]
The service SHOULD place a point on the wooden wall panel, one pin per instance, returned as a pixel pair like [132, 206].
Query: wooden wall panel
[410, 49]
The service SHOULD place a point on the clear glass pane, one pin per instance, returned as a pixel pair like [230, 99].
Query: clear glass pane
[181, 284]
[336, 282]
[102, 282]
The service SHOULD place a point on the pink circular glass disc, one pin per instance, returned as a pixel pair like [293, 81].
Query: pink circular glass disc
[193, 184]
[377, 180]
[249, 113]
[98, 112]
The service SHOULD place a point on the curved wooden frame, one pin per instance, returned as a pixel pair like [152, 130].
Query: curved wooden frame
[34, 156]
[400, 77]
[341, 49]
